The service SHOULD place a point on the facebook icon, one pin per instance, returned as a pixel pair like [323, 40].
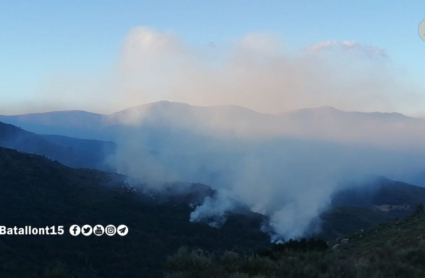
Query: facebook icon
[75, 230]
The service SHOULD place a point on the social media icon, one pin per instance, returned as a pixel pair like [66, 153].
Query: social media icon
[122, 230]
[110, 230]
[98, 230]
[86, 230]
[75, 230]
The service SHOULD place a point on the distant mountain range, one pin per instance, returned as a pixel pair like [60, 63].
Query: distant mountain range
[68, 151]
[325, 123]
[66, 123]
[175, 132]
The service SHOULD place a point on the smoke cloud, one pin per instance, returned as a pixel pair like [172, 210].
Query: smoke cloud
[258, 71]
[285, 167]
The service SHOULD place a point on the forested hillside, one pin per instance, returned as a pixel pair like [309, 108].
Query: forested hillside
[39, 192]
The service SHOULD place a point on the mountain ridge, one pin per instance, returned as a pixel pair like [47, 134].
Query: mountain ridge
[324, 123]
[182, 104]
[67, 150]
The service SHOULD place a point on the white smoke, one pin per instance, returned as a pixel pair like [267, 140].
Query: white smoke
[257, 70]
[286, 172]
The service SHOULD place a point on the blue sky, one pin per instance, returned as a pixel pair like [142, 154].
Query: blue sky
[39, 38]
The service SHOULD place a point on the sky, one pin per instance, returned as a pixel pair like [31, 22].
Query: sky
[63, 54]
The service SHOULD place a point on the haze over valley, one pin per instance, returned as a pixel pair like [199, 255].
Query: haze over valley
[284, 166]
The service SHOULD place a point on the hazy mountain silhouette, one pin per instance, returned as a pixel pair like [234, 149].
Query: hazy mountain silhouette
[166, 129]
[317, 123]
[69, 151]
[79, 124]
